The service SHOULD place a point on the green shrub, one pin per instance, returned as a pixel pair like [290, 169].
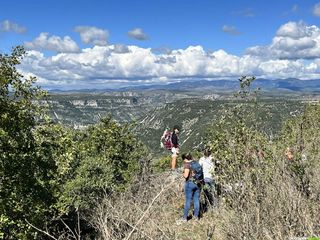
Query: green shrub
[109, 158]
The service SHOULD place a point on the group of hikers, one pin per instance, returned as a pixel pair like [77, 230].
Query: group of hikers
[198, 175]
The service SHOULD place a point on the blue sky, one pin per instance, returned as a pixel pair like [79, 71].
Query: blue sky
[143, 42]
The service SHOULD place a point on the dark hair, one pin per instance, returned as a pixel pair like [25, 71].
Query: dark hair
[207, 152]
[186, 156]
[176, 127]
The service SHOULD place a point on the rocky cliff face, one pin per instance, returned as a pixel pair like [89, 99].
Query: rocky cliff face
[80, 109]
[192, 115]
[153, 112]
[195, 116]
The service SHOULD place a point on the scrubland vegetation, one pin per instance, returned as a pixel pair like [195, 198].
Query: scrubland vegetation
[101, 183]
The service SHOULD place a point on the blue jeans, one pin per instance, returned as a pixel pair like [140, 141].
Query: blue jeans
[191, 190]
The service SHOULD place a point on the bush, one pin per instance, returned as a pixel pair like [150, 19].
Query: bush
[50, 173]
[25, 189]
[264, 195]
[162, 164]
[109, 157]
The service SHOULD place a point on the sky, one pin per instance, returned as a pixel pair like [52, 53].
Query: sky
[118, 43]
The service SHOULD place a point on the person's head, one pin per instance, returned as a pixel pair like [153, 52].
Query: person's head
[176, 129]
[207, 152]
[186, 156]
[189, 156]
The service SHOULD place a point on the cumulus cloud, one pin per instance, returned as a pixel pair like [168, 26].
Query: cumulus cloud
[120, 48]
[230, 30]
[101, 64]
[107, 66]
[93, 35]
[293, 53]
[53, 43]
[293, 40]
[8, 26]
[137, 33]
[162, 50]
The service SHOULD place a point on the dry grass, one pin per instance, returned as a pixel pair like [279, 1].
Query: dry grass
[149, 211]
[264, 210]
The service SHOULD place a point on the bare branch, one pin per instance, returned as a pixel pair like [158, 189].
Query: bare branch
[75, 237]
[146, 211]
[38, 229]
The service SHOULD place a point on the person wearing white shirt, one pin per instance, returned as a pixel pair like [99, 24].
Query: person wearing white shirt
[208, 170]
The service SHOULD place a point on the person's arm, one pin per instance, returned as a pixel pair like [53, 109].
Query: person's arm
[201, 162]
[186, 172]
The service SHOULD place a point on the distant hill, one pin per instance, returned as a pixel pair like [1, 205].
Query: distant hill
[231, 85]
[218, 86]
[192, 105]
[194, 116]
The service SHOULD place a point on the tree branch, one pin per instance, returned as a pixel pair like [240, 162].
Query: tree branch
[38, 229]
[146, 211]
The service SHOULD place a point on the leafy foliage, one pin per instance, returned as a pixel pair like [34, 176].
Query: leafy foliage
[24, 191]
[47, 170]
[109, 157]
[300, 135]
[256, 178]
[239, 148]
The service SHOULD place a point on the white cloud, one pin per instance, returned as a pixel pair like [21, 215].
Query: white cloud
[8, 26]
[93, 35]
[230, 30]
[293, 53]
[316, 10]
[293, 40]
[120, 48]
[106, 66]
[137, 33]
[293, 30]
[53, 43]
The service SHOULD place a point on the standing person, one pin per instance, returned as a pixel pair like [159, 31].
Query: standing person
[192, 173]
[208, 169]
[175, 147]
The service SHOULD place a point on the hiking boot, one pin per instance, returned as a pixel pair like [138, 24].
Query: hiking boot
[181, 221]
